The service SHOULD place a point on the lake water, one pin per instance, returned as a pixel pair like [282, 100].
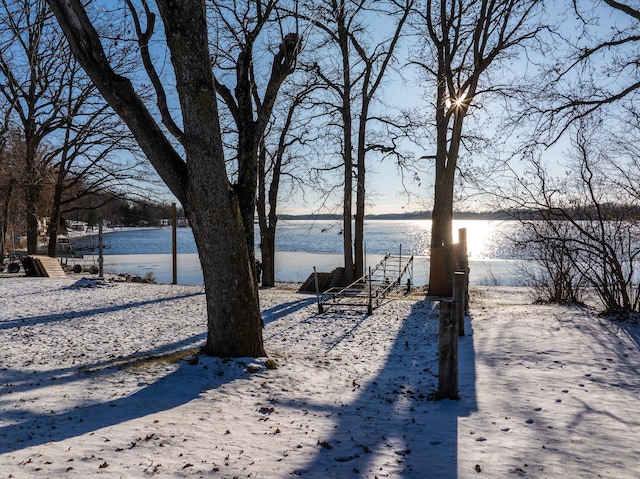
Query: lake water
[302, 244]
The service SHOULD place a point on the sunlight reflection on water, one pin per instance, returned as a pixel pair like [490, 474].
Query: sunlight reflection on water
[301, 245]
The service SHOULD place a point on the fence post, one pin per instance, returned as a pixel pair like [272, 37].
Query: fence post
[459, 280]
[463, 264]
[447, 353]
[174, 243]
[100, 251]
[370, 307]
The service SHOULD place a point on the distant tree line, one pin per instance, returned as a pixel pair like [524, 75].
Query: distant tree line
[78, 202]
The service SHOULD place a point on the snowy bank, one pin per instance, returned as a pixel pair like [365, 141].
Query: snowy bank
[99, 379]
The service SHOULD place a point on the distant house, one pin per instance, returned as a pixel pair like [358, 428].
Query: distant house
[77, 225]
[180, 222]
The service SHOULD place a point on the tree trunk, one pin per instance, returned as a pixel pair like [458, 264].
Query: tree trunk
[32, 189]
[442, 213]
[347, 229]
[267, 222]
[4, 222]
[33, 194]
[246, 186]
[233, 312]
[361, 171]
[268, 248]
[52, 232]
[54, 220]
[447, 150]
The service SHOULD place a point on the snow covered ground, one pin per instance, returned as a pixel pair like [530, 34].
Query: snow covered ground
[94, 382]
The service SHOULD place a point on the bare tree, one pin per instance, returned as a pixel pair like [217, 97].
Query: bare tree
[195, 169]
[11, 148]
[283, 145]
[466, 41]
[241, 28]
[71, 136]
[586, 232]
[596, 69]
[31, 75]
[353, 72]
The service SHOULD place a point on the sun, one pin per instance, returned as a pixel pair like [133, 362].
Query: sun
[455, 102]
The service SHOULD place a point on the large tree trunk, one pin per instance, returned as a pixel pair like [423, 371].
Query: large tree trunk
[441, 266]
[347, 213]
[33, 195]
[32, 190]
[361, 171]
[248, 141]
[234, 321]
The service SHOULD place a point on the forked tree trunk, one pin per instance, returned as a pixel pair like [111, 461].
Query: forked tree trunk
[199, 180]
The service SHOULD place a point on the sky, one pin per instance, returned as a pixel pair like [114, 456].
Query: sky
[389, 190]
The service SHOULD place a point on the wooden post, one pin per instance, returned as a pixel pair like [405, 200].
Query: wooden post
[174, 243]
[370, 307]
[100, 251]
[459, 280]
[463, 264]
[447, 352]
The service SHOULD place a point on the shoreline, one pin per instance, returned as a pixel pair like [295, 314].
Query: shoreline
[293, 267]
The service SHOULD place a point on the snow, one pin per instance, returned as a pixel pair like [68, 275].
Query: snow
[98, 379]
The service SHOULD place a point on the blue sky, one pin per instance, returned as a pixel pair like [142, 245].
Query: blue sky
[385, 184]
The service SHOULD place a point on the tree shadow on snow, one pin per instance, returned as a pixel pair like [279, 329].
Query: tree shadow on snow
[392, 428]
[633, 331]
[175, 389]
[52, 318]
[17, 380]
[280, 310]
